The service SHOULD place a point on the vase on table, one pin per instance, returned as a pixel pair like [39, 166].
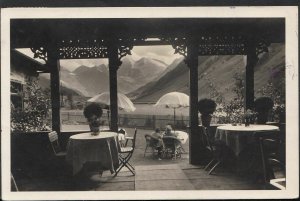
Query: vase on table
[95, 126]
[206, 119]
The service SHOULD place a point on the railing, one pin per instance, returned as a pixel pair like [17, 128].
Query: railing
[131, 120]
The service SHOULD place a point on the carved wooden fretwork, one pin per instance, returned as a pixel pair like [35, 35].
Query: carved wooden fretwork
[40, 53]
[179, 45]
[221, 45]
[261, 46]
[125, 46]
[82, 49]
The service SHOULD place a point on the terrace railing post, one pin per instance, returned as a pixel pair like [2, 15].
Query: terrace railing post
[192, 62]
[154, 121]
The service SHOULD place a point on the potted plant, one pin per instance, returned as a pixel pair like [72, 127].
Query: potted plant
[93, 113]
[262, 106]
[206, 107]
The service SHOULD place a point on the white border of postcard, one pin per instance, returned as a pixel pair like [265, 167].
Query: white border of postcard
[292, 152]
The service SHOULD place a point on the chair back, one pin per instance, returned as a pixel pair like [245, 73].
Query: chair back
[14, 186]
[53, 138]
[134, 138]
[150, 140]
[268, 148]
[170, 141]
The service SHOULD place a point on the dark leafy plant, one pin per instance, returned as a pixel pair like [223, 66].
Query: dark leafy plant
[206, 106]
[263, 104]
[277, 94]
[33, 117]
[92, 109]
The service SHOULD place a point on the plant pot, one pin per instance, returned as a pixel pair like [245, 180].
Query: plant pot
[94, 125]
[206, 119]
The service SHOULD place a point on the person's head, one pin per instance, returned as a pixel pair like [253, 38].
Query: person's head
[168, 128]
[157, 130]
[92, 113]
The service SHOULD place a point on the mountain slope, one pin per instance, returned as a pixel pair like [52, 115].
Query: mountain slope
[216, 70]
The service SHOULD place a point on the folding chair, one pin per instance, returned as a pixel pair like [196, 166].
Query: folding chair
[216, 151]
[14, 186]
[57, 150]
[125, 153]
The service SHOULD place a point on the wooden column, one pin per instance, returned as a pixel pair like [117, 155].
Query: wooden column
[192, 62]
[53, 64]
[114, 63]
[249, 77]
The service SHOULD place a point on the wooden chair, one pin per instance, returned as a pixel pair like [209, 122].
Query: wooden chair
[14, 186]
[172, 147]
[127, 138]
[151, 143]
[57, 150]
[125, 154]
[269, 145]
[216, 151]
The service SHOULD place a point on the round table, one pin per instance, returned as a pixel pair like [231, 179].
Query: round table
[242, 140]
[237, 137]
[101, 148]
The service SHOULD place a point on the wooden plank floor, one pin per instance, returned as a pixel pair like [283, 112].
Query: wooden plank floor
[161, 177]
[181, 176]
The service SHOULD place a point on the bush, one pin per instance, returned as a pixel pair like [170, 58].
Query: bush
[33, 117]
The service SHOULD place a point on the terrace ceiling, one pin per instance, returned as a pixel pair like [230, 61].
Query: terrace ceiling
[27, 33]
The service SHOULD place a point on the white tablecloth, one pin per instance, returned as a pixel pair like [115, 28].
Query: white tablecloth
[237, 137]
[182, 136]
[101, 148]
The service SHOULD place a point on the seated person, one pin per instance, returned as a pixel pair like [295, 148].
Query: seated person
[157, 136]
[170, 139]
[169, 132]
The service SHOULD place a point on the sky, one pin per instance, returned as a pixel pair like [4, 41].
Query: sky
[164, 53]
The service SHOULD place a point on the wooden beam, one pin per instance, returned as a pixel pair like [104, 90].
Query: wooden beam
[113, 63]
[192, 62]
[53, 64]
[249, 78]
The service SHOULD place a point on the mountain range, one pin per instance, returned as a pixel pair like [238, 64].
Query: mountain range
[146, 79]
[89, 81]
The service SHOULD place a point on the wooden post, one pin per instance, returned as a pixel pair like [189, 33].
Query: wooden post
[113, 85]
[53, 64]
[192, 62]
[249, 77]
